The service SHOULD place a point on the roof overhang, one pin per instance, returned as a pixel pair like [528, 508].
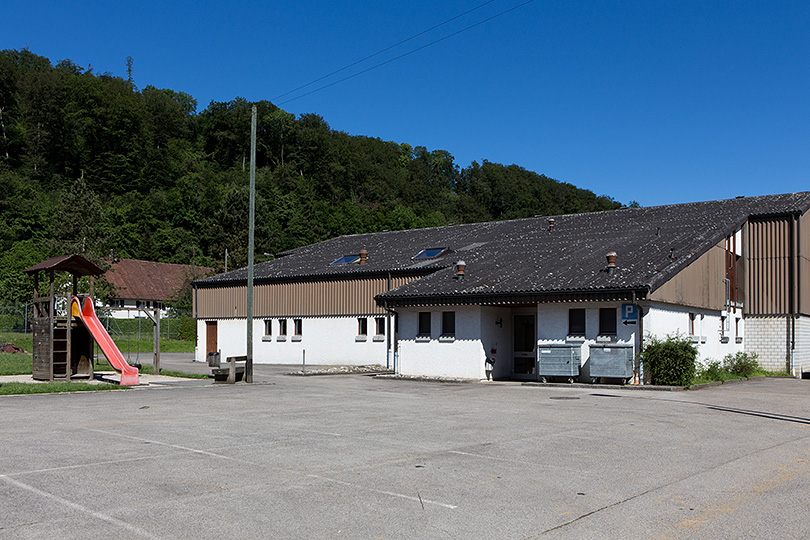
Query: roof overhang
[73, 264]
[513, 299]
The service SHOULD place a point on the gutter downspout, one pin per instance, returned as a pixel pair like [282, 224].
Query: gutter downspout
[391, 312]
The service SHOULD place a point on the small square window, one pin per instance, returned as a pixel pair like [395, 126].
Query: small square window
[576, 322]
[424, 323]
[607, 321]
[692, 326]
[268, 327]
[298, 327]
[362, 326]
[282, 327]
[448, 323]
[379, 322]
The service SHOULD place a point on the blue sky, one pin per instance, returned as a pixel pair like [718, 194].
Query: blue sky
[658, 102]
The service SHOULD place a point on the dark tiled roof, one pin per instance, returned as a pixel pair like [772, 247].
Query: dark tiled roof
[525, 257]
[147, 280]
[75, 264]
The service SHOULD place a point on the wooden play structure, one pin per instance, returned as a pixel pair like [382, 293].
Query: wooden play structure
[65, 327]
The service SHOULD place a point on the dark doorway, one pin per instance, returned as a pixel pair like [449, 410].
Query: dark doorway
[524, 344]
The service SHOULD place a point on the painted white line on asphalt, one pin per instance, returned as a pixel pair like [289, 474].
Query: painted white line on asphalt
[390, 493]
[79, 508]
[81, 465]
[150, 441]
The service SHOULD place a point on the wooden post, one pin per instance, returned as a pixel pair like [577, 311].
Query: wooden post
[51, 322]
[157, 341]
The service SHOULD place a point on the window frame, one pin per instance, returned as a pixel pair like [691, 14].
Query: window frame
[424, 254]
[379, 326]
[605, 322]
[423, 323]
[571, 328]
[346, 259]
[449, 323]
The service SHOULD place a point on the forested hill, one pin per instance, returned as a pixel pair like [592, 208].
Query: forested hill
[90, 163]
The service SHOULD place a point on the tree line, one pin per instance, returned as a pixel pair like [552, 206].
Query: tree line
[90, 163]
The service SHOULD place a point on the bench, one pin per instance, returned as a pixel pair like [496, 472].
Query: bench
[231, 374]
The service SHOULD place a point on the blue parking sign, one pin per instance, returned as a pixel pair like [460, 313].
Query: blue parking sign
[629, 312]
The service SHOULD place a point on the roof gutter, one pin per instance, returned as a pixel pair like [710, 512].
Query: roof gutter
[586, 295]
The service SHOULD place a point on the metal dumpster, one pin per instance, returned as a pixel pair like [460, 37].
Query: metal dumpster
[558, 361]
[614, 361]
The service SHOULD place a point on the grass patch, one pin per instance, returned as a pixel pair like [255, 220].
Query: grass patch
[19, 339]
[171, 373]
[15, 364]
[12, 388]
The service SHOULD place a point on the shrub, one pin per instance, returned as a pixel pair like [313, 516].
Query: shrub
[742, 364]
[713, 371]
[670, 361]
[188, 328]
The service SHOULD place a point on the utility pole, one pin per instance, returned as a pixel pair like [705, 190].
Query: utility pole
[251, 231]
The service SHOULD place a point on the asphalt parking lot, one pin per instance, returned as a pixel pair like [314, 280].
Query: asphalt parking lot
[355, 457]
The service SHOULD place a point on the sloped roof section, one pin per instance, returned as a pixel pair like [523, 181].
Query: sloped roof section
[74, 264]
[147, 280]
[526, 256]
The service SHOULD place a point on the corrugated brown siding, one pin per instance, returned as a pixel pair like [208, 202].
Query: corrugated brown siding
[768, 263]
[300, 298]
[700, 284]
[804, 265]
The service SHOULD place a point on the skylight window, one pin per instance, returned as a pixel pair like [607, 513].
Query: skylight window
[347, 259]
[430, 253]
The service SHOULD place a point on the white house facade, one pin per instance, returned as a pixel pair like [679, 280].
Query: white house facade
[570, 297]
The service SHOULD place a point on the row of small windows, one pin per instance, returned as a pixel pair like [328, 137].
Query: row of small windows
[448, 323]
[607, 322]
[362, 326]
[429, 253]
[138, 304]
[298, 326]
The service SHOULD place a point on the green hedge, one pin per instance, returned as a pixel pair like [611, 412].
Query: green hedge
[670, 361]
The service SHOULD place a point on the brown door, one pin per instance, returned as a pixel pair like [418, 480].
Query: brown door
[210, 337]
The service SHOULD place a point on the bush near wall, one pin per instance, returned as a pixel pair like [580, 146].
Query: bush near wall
[670, 361]
[188, 329]
[742, 364]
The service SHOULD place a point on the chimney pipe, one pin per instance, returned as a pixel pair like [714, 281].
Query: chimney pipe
[461, 267]
[550, 223]
[611, 260]
[363, 256]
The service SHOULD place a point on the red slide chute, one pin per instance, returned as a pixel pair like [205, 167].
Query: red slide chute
[87, 313]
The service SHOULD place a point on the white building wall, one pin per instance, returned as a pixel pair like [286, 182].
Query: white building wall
[769, 337]
[326, 340]
[552, 329]
[437, 356]
[661, 320]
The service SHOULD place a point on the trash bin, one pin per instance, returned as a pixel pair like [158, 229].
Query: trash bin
[559, 361]
[611, 361]
[213, 359]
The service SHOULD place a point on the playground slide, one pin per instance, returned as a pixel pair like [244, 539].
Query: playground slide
[86, 312]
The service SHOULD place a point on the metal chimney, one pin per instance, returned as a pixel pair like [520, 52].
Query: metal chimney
[363, 256]
[611, 261]
[461, 268]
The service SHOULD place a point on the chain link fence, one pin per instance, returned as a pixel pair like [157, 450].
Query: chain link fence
[16, 317]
